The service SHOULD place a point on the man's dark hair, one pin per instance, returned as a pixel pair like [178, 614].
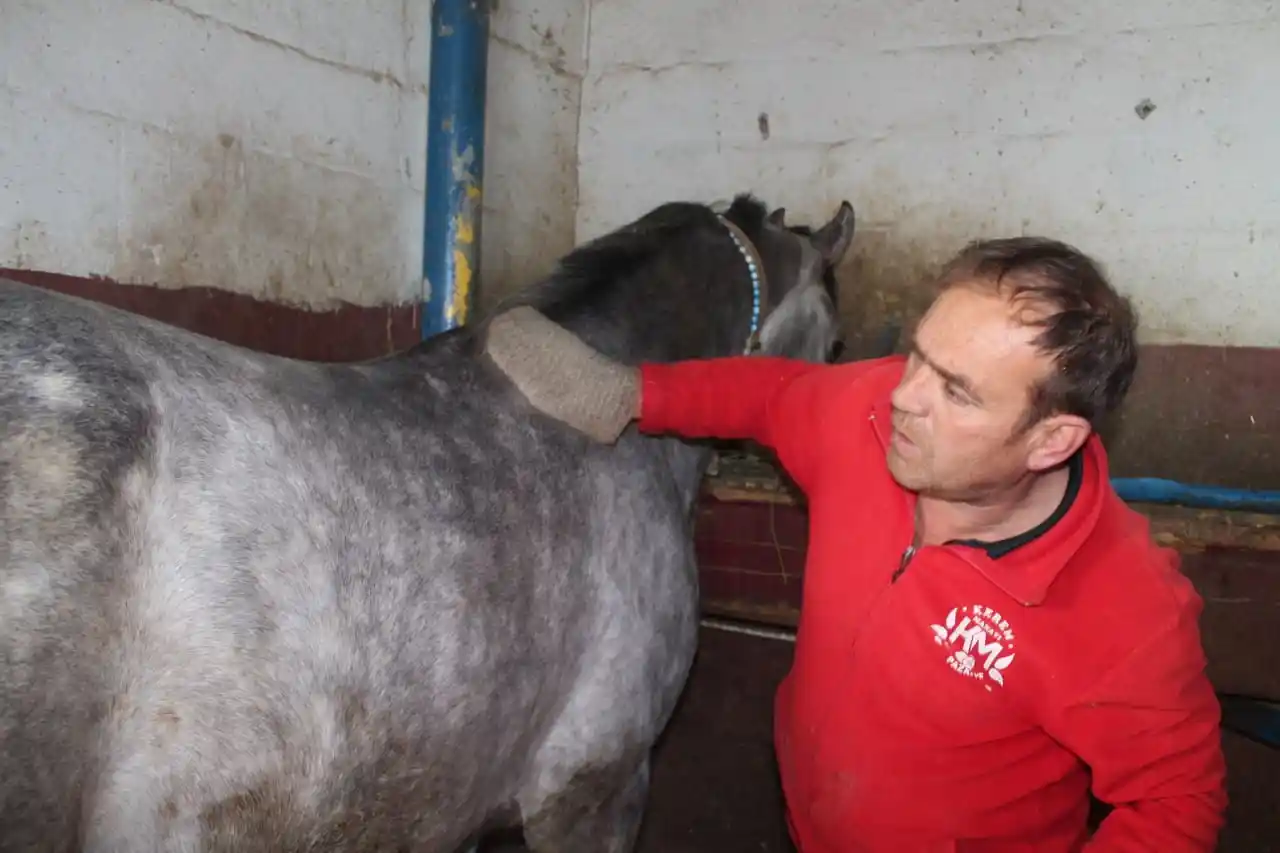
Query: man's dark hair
[1088, 329]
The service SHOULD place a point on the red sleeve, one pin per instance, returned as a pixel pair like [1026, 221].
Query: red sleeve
[780, 403]
[1149, 731]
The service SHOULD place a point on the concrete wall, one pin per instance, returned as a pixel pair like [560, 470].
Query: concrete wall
[942, 121]
[537, 59]
[212, 143]
[274, 150]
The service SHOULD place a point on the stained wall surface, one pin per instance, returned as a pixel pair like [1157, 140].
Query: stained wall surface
[271, 150]
[1136, 130]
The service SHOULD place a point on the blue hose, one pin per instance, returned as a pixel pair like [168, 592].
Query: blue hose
[1154, 490]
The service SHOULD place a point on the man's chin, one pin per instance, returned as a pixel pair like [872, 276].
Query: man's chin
[906, 475]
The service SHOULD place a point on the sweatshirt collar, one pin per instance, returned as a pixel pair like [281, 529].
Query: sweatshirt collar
[1026, 565]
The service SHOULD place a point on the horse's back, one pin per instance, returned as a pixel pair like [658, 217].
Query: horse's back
[249, 600]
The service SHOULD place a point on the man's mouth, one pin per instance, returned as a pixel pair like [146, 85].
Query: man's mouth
[900, 438]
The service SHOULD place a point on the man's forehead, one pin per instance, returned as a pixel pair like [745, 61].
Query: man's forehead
[975, 339]
[968, 314]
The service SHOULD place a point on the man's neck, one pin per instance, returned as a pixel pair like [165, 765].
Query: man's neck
[1000, 516]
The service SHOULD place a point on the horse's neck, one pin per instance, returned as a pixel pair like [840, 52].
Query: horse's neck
[640, 344]
[635, 323]
[689, 464]
[681, 464]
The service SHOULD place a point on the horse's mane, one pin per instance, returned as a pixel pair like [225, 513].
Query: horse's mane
[672, 239]
[611, 257]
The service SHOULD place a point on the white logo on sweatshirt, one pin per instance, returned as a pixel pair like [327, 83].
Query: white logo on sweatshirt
[979, 642]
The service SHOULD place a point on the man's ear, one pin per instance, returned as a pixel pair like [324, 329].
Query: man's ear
[1055, 439]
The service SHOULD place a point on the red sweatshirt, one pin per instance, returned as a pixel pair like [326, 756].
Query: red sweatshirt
[967, 703]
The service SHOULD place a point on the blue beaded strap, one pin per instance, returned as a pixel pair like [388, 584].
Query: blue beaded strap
[757, 276]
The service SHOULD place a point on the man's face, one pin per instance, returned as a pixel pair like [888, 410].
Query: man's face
[959, 410]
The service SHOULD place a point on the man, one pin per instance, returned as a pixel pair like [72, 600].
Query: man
[987, 630]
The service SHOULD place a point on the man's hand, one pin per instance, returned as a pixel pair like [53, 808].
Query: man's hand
[561, 376]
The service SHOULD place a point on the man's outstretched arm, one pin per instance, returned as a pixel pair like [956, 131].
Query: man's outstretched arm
[782, 404]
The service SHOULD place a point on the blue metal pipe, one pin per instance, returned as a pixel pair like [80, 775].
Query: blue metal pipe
[455, 162]
[1158, 491]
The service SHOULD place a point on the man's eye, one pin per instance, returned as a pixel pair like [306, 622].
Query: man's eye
[955, 394]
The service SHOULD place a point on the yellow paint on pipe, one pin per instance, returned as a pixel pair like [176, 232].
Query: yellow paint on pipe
[457, 310]
[463, 230]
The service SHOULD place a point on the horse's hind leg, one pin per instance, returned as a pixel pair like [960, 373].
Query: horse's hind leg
[599, 810]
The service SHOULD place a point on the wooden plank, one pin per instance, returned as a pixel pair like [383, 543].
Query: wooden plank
[777, 615]
[1183, 528]
[1194, 530]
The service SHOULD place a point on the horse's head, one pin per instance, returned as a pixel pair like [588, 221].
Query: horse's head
[800, 312]
[683, 281]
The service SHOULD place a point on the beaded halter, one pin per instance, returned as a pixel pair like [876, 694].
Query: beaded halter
[755, 268]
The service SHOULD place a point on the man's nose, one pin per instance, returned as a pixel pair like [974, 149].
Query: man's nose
[910, 395]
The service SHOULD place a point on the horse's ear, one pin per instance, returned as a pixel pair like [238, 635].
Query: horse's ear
[833, 239]
[778, 217]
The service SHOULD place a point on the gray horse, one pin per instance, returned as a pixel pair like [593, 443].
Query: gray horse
[255, 604]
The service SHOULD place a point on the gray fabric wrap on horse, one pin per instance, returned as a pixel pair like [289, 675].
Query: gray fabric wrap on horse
[561, 376]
